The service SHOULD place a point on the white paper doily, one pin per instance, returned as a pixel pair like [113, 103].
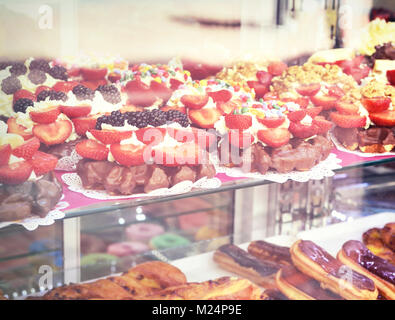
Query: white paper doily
[73, 182]
[34, 222]
[69, 163]
[323, 169]
[340, 147]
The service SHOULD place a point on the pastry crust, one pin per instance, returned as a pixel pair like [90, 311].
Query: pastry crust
[329, 274]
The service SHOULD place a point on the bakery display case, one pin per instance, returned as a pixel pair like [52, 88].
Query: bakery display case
[157, 151]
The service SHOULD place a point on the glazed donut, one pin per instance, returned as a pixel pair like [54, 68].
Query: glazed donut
[122, 249]
[91, 244]
[143, 232]
[168, 240]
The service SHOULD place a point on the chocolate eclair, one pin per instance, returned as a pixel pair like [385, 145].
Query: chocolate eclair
[266, 251]
[355, 255]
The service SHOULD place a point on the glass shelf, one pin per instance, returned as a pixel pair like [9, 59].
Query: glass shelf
[353, 162]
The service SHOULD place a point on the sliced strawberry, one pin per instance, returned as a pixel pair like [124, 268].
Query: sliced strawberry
[13, 127]
[194, 101]
[270, 96]
[15, 173]
[41, 88]
[276, 68]
[45, 116]
[185, 154]
[302, 131]
[322, 124]
[22, 93]
[272, 122]
[150, 135]
[326, 102]
[167, 108]
[259, 88]
[110, 136]
[264, 77]
[376, 104]
[92, 149]
[297, 115]
[174, 83]
[114, 77]
[391, 76]
[130, 155]
[160, 91]
[204, 118]
[43, 163]
[335, 91]
[348, 120]
[83, 124]
[359, 73]
[309, 89]
[346, 65]
[346, 107]
[93, 84]
[240, 139]
[139, 93]
[238, 121]
[76, 111]
[74, 72]
[385, 118]
[313, 111]
[64, 86]
[274, 137]
[53, 133]
[221, 95]
[303, 102]
[27, 149]
[5, 154]
[227, 107]
[89, 74]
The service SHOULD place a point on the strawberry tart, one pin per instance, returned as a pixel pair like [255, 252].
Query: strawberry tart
[28, 185]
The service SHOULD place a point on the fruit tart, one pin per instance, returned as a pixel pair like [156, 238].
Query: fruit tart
[152, 85]
[273, 135]
[140, 151]
[28, 185]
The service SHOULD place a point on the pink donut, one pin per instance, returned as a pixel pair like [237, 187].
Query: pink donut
[143, 231]
[122, 249]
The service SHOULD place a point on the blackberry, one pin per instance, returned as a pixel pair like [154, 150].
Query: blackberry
[110, 93]
[58, 72]
[177, 116]
[157, 118]
[116, 119]
[83, 93]
[4, 64]
[37, 76]
[52, 94]
[10, 85]
[39, 64]
[22, 104]
[18, 69]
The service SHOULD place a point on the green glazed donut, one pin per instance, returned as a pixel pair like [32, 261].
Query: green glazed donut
[97, 258]
[168, 240]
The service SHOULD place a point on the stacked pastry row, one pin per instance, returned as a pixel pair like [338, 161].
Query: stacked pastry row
[305, 271]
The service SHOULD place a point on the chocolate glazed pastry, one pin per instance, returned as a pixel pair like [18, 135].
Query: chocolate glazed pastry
[29, 198]
[267, 251]
[117, 179]
[60, 150]
[361, 259]
[298, 286]
[315, 262]
[236, 260]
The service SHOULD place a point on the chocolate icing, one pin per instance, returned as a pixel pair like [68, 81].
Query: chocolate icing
[247, 260]
[117, 179]
[384, 51]
[334, 267]
[359, 253]
[29, 198]
[376, 135]
[60, 150]
[306, 284]
[265, 250]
